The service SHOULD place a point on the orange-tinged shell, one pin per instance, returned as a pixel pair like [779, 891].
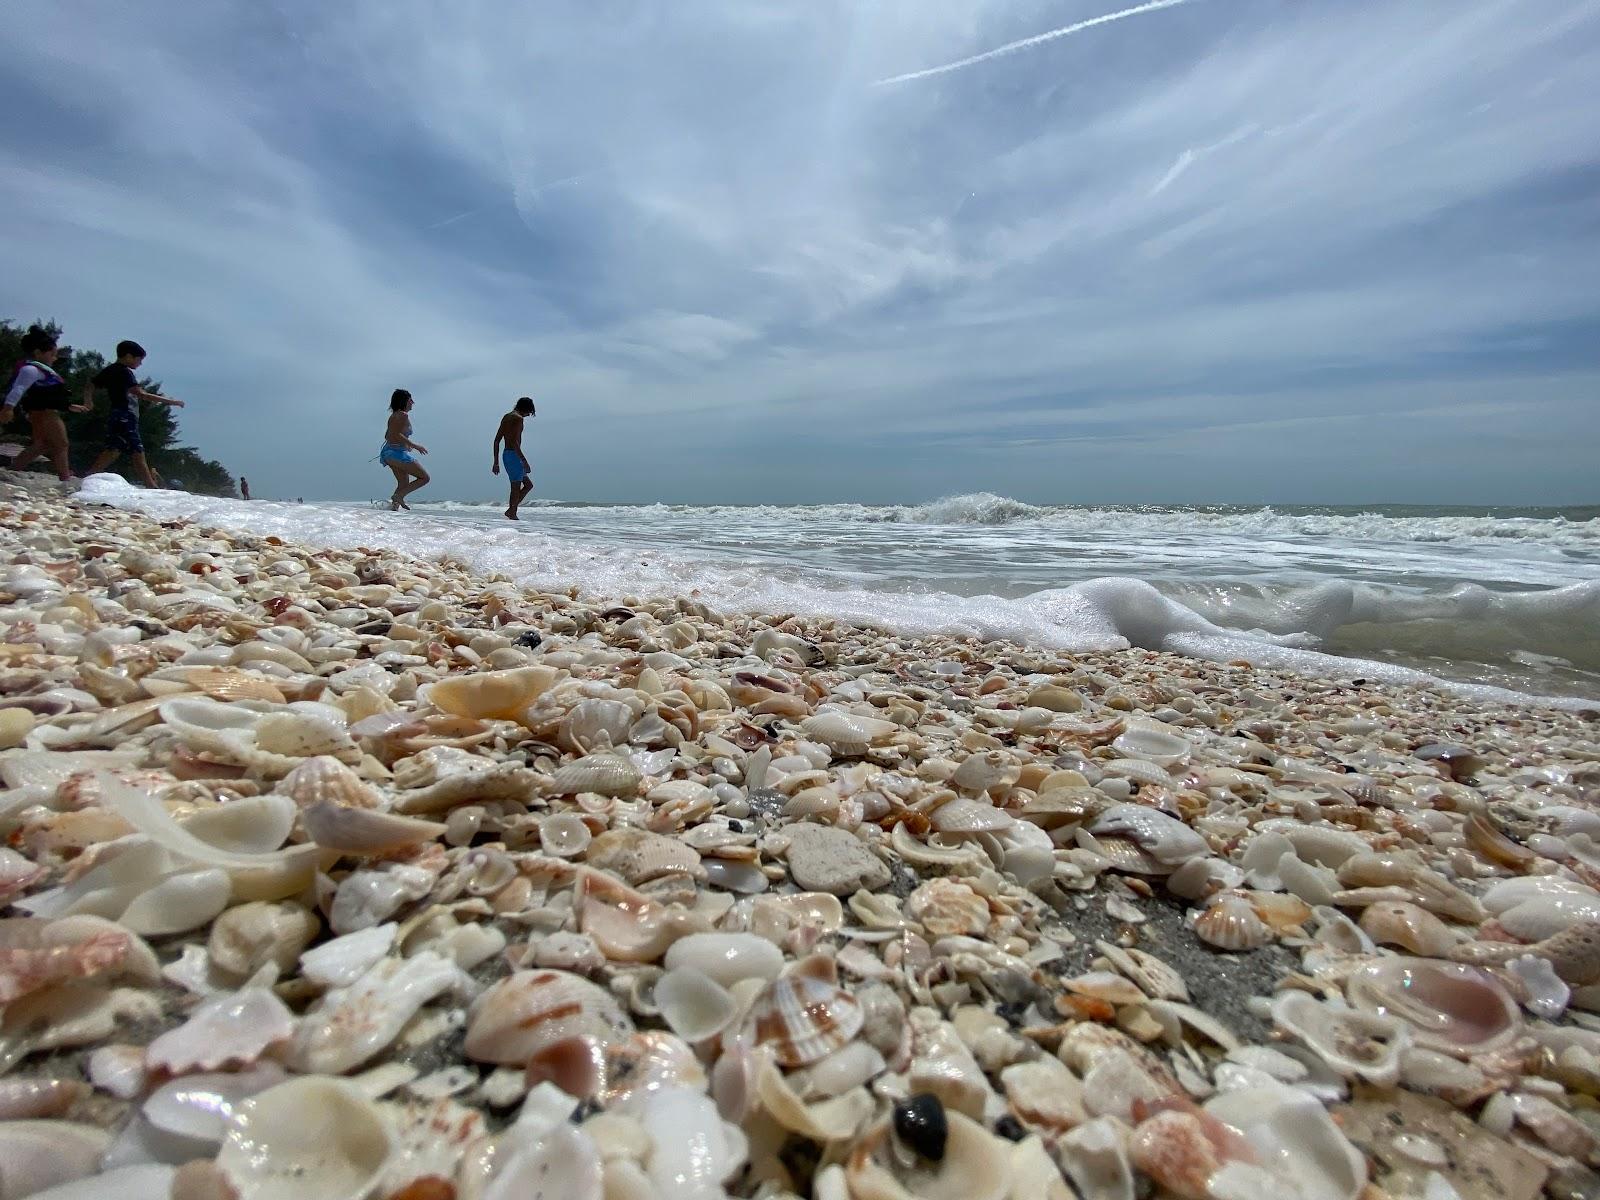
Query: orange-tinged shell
[529, 1012]
[492, 695]
[804, 1015]
[947, 906]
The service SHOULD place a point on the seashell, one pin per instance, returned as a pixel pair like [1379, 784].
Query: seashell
[1547, 995]
[694, 1005]
[248, 937]
[222, 683]
[595, 724]
[1301, 1151]
[308, 1137]
[1166, 839]
[364, 831]
[638, 855]
[40, 1155]
[564, 835]
[1158, 979]
[848, 1067]
[1095, 1157]
[1353, 1043]
[1045, 1096]
[540, 1015]
[803, 1015]
[1202, 878]
[1448, 1006]
[1397, 923]
[1055, 698]
[643, 1063]
[629, 926]
[846, 733]
[1322, 845]
[198, 1107]
[1459, 762]
[1156, 745]
[182, 901]
[561, 1163]
[975, 1165]
[304, 735]
[492, 695]
[726, 958]
[986, 772]
[1281, 912]
[1136, 770]
[604, 774]
[1228, 922]
[506, 781]
[961, 815]
[326, 778]
[1574, 952]
[1312, 884]
[343, 960]
[349, 1025]
[231, 1027]
[942, 1064]
[946, 906]
[1176, 1149]
[1490, 842]
[23, 1099]
[681, 792]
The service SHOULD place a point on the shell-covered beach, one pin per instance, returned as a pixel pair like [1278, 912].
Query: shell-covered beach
[344, 874]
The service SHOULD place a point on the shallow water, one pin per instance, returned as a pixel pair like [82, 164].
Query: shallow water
[1508, 598]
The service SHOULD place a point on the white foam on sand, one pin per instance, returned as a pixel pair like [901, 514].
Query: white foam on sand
[1092, 615]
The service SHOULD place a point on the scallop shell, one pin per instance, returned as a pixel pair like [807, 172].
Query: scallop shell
[492, 695]
[1448, 1006]
[326, 778]
[638, 855]
[1138, 770]
[364, 831]
[1158, 978]
[304, 735]
[308, 1137]
[1228, 922]
[804, 1015]
[947, 906]
[847, 733]
[605, 774]
[595, 724]
[222, 683]
[554, 1022]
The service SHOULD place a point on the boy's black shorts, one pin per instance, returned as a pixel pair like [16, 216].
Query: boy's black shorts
[122, 433]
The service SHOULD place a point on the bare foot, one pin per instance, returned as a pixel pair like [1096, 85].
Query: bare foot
[511, 516]
[396, 504]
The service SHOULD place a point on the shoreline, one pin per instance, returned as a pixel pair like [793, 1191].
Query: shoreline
[970, 834]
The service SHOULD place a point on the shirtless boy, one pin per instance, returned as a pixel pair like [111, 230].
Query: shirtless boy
[517, 469]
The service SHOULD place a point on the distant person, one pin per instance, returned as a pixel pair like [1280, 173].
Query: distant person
[517, 469]
[244, 487]
[122, 388]
[397, 451]
[37, 390]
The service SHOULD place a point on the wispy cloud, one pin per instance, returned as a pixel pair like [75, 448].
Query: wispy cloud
[730, 267]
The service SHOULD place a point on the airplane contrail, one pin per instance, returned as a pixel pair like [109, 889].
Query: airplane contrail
[1037, 39]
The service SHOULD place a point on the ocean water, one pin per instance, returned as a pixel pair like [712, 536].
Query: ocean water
[1487, 600]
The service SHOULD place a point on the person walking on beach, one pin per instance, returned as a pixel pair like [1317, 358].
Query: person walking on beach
[121, 386]
[244, 487]
[517, 469]
[397, 451]
[37, 390]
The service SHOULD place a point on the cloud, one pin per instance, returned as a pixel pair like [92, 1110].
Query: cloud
[731, 268]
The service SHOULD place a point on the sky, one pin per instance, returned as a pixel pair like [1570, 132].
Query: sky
[1255, 251]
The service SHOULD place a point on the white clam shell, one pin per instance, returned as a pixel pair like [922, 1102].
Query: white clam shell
[1152, 744]
[200, 1106]
[312, 1136]
[1367, 1045]
[343, 960]
[1303, 1153]
[561, 1164]
[231, 1027]
[35, 1155]
[726, 958]
[564, 835]
[693, 1004]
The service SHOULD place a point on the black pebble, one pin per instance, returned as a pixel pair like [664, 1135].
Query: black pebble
[735, 826]
[529, 639]
[920, 1123]
[1010, 1128]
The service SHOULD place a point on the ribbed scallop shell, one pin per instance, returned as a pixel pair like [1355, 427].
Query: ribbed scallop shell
[1138, 770]
[605, 774]
[529, 1012]
[804, 1015]
[1229, 922]
[847, 733]
[326, 778]
[222, 683]
[304, 735]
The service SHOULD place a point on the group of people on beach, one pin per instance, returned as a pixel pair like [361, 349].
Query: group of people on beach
[399, 452]
[37, 391]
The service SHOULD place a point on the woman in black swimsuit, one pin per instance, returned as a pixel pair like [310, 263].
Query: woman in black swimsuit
[42, 394]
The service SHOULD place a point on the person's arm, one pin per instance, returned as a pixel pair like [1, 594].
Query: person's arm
[26, 378]
[494, 453]
[158, 398]
[87, 403]
[395, 434]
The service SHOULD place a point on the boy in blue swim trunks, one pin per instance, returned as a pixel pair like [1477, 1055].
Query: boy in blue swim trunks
[517, 469]
[121, 385]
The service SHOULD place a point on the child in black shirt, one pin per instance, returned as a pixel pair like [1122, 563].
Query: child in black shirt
[122, 426]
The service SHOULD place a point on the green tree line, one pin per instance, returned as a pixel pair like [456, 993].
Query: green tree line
[158, 425]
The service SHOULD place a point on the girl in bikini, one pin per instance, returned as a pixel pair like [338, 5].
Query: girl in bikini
[397, 453]
[38, 391]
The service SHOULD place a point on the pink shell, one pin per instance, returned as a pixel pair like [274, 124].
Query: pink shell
[529, 1012]
[804, 1015]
